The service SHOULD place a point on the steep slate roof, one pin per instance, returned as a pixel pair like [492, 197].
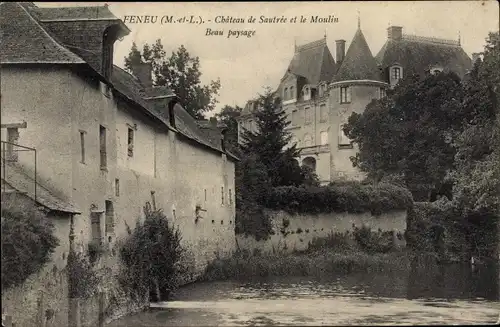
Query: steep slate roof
[18, 179]
[185, 124]
[75, 13]
[416, 55]
[25, 41]
[358, 63]
[313, 61]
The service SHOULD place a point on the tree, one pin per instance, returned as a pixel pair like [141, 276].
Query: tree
[409, 133]
[180, 72]
[477, 169]
[228, 116]
[270, 143]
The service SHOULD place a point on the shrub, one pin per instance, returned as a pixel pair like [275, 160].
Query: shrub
[251, 219]
[27, 243]
[151, 256]
[82, 278]
[352, 197]
[373, 242]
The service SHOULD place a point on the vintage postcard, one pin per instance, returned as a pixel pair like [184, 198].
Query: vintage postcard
[250, 163]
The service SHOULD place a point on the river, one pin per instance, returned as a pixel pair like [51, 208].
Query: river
[451, 294]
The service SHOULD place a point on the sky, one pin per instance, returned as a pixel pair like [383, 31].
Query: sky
[246, 65]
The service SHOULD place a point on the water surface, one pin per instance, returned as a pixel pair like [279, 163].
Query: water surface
[450, 294]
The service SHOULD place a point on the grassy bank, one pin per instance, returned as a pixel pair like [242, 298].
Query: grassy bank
[337, 253]
[317, 264]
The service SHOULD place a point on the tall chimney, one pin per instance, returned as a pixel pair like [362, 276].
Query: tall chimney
[395, 33]
[339, 51]
[143, 72]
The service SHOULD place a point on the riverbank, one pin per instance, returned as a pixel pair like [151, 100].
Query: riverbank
[319, 262]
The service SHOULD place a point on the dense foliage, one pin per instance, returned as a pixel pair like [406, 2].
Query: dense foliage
[348, 197]
[181, 73]
[477, 170]
[82, 276]
[27, 243]
[151, 256]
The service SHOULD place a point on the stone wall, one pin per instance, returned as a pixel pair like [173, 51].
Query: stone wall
[311, 226]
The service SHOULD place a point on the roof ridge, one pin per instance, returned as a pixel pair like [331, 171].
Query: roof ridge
[312, 44]
[48, 34]
[434, 40]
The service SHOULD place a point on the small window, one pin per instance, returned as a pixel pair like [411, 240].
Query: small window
[396, 73]
[324, 138]
[285, 96]
[345, 94]
[102, 147]
[344, 141]
[307, 140]
[110, 217]
[308, 113]
[205, 194]
[222, 195]
[117, 187]
[130, 142]
[12, 139]
[323, 113]
[230, 197]
[381, 93]
[82, 146]
[95, 220]
[292, 92]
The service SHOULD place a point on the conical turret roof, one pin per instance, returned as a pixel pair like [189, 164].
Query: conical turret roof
[359, 63]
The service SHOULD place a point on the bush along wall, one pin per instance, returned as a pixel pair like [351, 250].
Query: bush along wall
[352, 197]
[27, 243]
[151, 257]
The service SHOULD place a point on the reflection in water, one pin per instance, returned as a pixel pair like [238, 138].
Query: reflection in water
[426, 294]
[427, 279]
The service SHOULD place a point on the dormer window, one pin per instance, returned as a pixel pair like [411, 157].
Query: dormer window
[306, 93]
[292, 93]
[285, 94]
[396, 73]
[345, 94]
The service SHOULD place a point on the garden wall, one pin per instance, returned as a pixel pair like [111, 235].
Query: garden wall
[303, 228]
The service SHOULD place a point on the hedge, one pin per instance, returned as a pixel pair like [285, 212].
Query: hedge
[355, 197]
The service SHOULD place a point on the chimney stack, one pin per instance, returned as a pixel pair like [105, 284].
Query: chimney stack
[395, 33]
[143, 72]
[339, 51]
[475, 57]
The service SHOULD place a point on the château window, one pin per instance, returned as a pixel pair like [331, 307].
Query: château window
[222, 195]
[323, 113]
[324, 138]
[285, 96]
[396, 73]
[117, 187]
[345, 94]
[109, 218]
[381, 93]
[344, 141]
[308, 113]
[292, 93]
[130, 142]
[295, 117]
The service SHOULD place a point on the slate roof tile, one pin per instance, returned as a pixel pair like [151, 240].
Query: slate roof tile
[358, 63]
[17, 178]
[25, 41]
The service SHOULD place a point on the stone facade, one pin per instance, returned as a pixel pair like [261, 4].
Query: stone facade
[319, 92]
[106, 141]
